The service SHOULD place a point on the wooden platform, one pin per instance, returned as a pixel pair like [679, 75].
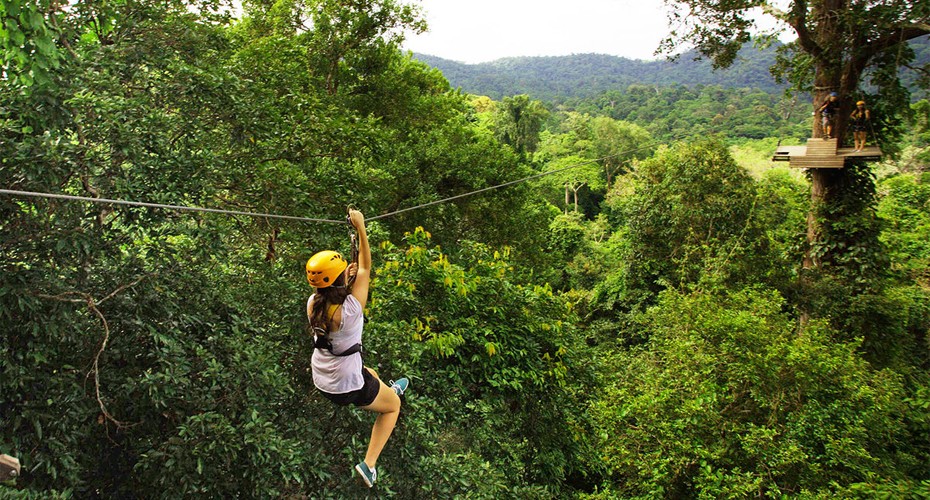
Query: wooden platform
[823, 153]
[9, 467]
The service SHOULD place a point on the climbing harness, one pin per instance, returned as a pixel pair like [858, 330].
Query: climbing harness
[321, 341]
[321, 336]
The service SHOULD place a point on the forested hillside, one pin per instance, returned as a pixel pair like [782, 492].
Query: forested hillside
[597, 298]
[583, 76]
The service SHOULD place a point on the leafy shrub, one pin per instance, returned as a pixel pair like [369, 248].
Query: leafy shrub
[729, 399]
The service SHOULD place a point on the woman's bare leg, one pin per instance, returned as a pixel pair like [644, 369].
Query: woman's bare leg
[387, 405]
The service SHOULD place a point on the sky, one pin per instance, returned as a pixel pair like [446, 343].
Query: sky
[475, 31]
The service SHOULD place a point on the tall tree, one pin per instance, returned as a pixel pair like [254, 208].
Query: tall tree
[518, 121]
[839, 44]
[688, 216]
[348, 41]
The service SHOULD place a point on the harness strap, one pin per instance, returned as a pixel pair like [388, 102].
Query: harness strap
[321, 337]
[321, 342]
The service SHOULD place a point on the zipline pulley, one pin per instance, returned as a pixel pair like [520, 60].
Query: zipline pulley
[353, 236]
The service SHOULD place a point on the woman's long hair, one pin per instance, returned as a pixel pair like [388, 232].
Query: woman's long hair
[333, 294]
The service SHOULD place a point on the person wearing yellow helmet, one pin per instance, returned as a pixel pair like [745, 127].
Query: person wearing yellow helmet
[858, 122]
[335, 312]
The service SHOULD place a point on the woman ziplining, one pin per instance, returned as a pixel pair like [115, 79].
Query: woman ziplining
[335, 312]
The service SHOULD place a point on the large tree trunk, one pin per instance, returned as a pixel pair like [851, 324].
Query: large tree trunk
[822, 182]
[826, 80]
[830, 76]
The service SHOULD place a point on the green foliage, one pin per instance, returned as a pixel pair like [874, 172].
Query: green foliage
[518, 121]
[28, 52]
[466, 323]
[755, 155]
[567, 235]
[847, 244]
[783, 202]
[856, 294]
[588, 154]
[611, 143]
[848, 284]
[492, 361]
[849, 49]
[919, 124]
[842, 48]
[186, 398]
[203, 388]
[584, 250]
[163, 354]
[886, 489]
[905, 209]
[729, 400]
[348, 43]
[676, 111]
[688, 214]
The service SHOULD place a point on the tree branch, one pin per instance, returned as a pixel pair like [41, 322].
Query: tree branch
[63, 297]
[78, 297]
[798, 20]
[893, 38]
[918, 69]
[128, 285]
[53, 9]
[96, 369]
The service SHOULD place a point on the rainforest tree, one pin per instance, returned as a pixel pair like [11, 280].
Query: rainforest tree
[518, 120]
[840, 47]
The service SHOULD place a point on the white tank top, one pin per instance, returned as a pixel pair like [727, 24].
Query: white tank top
[340, 374]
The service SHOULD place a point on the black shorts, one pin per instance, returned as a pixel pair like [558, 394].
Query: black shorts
[360, 397]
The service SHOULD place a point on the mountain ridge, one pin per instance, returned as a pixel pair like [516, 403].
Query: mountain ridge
[579, 76]
[585, 75]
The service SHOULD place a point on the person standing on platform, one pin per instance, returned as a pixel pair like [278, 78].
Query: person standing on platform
[859, 122]
[828, 114]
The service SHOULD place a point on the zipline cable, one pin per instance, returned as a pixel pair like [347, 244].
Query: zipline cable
[524, 179]
[159, 205]
[36, 194]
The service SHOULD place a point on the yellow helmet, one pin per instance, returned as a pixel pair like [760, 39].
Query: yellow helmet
[324, 268]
